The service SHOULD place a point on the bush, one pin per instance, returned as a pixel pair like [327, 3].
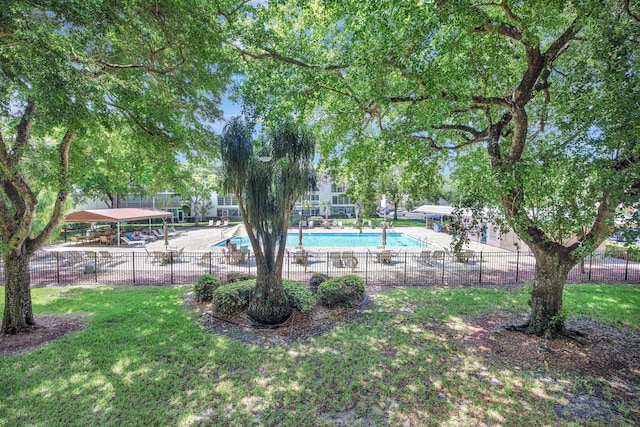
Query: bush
[204, 287]
[315, 281]
[346, 291]
[299, 295]
[233, 296]
[239, 277]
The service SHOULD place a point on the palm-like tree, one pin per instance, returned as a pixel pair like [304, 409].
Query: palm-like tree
[267, 184]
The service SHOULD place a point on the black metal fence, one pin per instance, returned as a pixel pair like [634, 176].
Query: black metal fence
[120, 268]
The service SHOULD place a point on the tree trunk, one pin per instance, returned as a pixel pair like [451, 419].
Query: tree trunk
[18, 312]
[269, 304]
[551, 274]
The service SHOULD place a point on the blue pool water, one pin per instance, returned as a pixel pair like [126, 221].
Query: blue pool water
[346, 240]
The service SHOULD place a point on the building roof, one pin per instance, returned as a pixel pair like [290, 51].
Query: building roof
[115, 215]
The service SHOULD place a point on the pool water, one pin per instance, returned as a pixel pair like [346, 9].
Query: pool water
[346, 240]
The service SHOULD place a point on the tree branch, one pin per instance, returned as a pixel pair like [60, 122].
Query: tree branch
[23, 134]
[270, 54]
[61, 198]
[625, 7]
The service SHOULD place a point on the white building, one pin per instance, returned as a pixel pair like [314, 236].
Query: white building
[226, 206]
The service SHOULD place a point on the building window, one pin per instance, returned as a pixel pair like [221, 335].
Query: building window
[228, 200]
[337, 188]
[341, 200]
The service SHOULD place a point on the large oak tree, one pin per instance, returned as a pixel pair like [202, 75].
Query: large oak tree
[535, 102]
[70, 68]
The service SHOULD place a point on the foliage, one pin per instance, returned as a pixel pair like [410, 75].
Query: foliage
[204, 287]
[514, 97]
[346, 290]
[235, 276]
[73, 72]
[299, 295]
[315, 281]
[232, 297]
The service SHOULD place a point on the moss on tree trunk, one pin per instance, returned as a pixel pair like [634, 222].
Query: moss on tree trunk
[18, 312]
[552, 270]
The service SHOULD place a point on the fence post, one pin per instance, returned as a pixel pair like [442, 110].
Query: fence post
[404, 280]
[210, 261]
[590, 262]
[95, 266]
[626, 267]
[58, 255]
[517, 264]
[171, 266]
[133, 254]
[480, 276]
[442, 278]
[366, 267]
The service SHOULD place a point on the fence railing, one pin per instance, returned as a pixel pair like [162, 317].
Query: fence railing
[403, 268]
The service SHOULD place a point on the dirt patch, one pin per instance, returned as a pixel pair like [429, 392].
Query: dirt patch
[49, 328]
[611, 354]
[299, 326]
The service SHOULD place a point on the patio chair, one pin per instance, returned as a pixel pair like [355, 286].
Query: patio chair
[162, 257]
[437, 256]
[349, 260]
[177, 255]
[424, 258]
[465, 256]
[301, 257]
[336, 259]
[106, 240]
[132, 242]
[205, 259]
[238, 257]
[385, 257]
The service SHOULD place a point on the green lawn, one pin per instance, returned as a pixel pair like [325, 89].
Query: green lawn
[143, 359]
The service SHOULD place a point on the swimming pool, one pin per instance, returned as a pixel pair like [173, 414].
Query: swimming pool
[320, 240]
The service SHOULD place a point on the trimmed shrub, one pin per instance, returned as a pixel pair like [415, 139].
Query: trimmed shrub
[315, 281]
[239, 277]
[204, 287]
[345, 291]
[233, 296]
[299, 295]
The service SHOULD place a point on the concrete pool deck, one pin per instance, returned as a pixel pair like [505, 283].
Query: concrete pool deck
[202, 239]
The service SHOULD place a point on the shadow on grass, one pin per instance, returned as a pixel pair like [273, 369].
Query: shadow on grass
[144, 360]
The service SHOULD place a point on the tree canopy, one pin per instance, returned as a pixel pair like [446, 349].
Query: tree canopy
[518, 95]
[70, 70]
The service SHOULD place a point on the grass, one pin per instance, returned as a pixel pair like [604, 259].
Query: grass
[143, 359]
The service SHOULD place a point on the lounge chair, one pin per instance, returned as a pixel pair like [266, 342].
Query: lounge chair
[172, 231]
[107, 258]
[225, 223]
[132, 242]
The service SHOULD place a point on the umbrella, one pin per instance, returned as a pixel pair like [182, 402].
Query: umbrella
[300, 234]
[384, 234]
[236, 231]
